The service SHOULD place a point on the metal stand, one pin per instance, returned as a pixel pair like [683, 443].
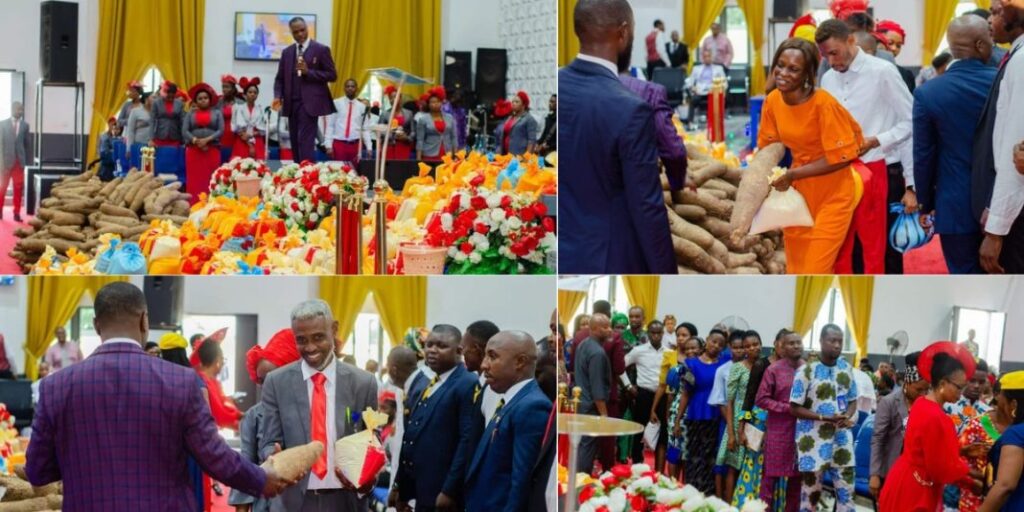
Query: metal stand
[78, 154]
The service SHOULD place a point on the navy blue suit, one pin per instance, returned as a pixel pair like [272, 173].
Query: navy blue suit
[501, 470]
[611, 210]
[946, 114]
[440, 434]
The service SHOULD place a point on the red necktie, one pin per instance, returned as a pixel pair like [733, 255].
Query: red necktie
[318, 422]
[1006, 57]
[348, 120]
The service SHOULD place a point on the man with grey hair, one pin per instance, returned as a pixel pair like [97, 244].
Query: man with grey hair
[316, 399]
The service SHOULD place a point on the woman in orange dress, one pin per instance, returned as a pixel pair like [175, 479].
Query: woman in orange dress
[931, 451]
[823, 138]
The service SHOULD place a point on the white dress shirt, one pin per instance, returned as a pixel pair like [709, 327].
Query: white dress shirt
[866, 396]
[660, 42]
[718, 390]
[607, 64]
[877, 97]
[330, 480]
[395, 443]
[243, 121]
[511, 393]
[648, 365]
[703, 77]
[348, 129]
[1008, 130]
[489, 401]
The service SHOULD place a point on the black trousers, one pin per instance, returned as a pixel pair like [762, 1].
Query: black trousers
[1012, 257]
[641, 411]
[897, 187]
[651, 66]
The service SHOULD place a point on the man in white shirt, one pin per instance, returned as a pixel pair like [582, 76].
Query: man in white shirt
[646, 357]
[655, 43]
[1002, 250]
[347, 128]
[719, 46]
[700, 81]
[876, 96]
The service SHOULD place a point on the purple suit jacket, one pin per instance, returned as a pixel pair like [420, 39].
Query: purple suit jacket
[670, 145]
[316, 96]
[117, 429]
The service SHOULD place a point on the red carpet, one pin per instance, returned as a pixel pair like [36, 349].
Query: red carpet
[7, 241]
[925, 260]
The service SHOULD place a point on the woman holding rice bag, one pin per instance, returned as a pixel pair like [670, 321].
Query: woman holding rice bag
[824, 140]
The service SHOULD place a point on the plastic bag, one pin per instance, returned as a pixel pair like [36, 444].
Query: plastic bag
[906, 233]
[651, 433]
[781, 210]
[360, 457]
[127, 260]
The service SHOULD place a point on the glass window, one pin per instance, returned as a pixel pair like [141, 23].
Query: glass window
[368, 339]
[152, 79]
[961, 9]
[734, 23]
[833, 311]
[988, 331]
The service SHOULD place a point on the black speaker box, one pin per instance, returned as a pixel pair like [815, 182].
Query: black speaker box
[58, 41]
[786, 9]
[457, 70]
[491, 71]
[163, 299]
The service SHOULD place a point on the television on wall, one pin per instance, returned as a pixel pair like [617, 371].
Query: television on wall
[265, 35]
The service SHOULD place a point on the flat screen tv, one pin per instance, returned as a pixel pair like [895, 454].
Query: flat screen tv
[264, 35]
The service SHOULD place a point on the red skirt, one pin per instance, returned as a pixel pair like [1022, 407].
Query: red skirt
[346, 151]
[400, 150]
[286, 154]
[199, 167]
[241, 148]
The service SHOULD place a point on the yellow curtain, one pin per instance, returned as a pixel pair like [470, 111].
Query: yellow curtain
[810, 294]
[402, 303]
[937, 15]
[135, 35]
[753, 10]
[984, 4]
[385, 33]
[698, 15]
[643, 291]
[568, 44]
[857, 294]
[51, 303]
[568, 302]
[346, 296]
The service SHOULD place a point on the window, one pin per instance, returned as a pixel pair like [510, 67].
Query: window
[368, 339]
[988, 327]
[832, 311]
[208, 324]
[961, 9]
[80, 328]
[12, 88]
[152, 79]
[606, 288]
[734, 24]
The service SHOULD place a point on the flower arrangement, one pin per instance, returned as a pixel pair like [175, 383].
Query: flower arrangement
[303, 194]
[639, 488]
[222, 183]
[492, 232]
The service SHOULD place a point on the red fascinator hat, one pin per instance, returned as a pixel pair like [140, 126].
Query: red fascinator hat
[502, 108]
[886, 26]
[437, 92]
[842, 9]
[200, 87]
[280, 350]
[246, 82]
[523, 97]
[927, 358]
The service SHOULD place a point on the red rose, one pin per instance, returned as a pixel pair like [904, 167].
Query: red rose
[540, 209]
[506, 201]
[609, 481]
[453, 205]
[653, 474]
[466, 247]
[295, 207]
[310, 224]
[586, 493]
[526, 214]
[392, 211]
[478, 202]
[295, 192]
[483, 229]
[602, 508]
[638, 502]
[622, 471]
[549, 224]
[477, 180]
[531, 243]
[518, 249]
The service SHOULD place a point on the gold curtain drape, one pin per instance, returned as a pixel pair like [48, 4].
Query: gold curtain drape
[858, 291]
[698, 15]
[810, 294]
[568, 302]
[51, 303]
[568, 44]
[643, 291]
[937, 14]
[401, 302]
[753, 10]
[385, 33]
[984, 4]
[135, 35]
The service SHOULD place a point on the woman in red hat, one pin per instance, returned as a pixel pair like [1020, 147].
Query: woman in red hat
[435, 131]
[228, 100]
[134, 92]
[518, 133]
[249, 123]
[400, 147]
[202, 131]
[931, 451]
[168, 113]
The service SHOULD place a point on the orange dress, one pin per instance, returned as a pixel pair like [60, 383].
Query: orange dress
[818, 128]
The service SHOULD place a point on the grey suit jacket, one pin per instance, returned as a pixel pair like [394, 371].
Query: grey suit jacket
[20, 149]
[216, 127]
[429, 140]
[887, 439]
[286, 420]
[167, 126]
[524, 131]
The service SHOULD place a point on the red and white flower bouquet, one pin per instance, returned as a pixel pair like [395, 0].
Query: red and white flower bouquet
[639, 488]
[224, 179]
[304, 194]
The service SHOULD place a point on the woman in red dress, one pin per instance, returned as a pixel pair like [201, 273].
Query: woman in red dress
[435, 130]
[250, 124]
[202, 131]
[931, 451]
[211, 360]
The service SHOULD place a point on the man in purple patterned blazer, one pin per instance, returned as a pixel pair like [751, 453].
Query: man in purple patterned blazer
[671, 150]
[300, 87]
[118, 427]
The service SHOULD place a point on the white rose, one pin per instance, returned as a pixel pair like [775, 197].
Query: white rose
[641, 483]
[460, 256]
[754, 506]
[639, 469]
[474, 257]
[669, 496]
[617, 500]
[464, 202]
[335, 189]
[494, 200]
[498, 215]
[452, 251]
[514, 223]
[504, 229]
[717, 504]
[447, 221]
[314, 216]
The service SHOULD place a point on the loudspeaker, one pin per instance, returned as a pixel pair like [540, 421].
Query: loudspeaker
[786, 9]
[58, 41]
[163, 300]
[491, 69]
[457, 70]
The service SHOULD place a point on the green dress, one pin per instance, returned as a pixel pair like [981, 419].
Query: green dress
[735, 390]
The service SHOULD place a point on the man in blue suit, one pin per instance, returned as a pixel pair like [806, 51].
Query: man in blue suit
[611, 208]
[946, 114]
[441, 430]
[499, 475]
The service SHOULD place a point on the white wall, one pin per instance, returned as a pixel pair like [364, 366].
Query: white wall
[470, 24]
[644, 14]
[513, 303]
[271, 299]
[13, 326]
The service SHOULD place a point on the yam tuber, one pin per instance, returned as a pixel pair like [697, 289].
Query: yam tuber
[67, 233]
[734, 260]
[724, 186]
[744, 270]
[691, 232]
[713, 205]
[754, 188]
[117, 211]
[718, 194]
[702, 173]
[683, 271]
[17, 489]
[690, 212]
[67, 219]
[292, 463]
[693, 256]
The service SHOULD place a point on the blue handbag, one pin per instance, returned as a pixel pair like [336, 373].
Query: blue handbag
[906, 233]
[127, 260]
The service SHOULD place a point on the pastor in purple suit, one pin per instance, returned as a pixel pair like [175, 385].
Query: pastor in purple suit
[301, 88]
[118, 427]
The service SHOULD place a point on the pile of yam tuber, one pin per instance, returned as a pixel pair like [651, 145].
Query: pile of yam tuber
[82, 208]
[294, 462]
[711, 225]
[21, 496]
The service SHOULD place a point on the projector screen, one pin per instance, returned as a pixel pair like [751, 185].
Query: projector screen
[263, 36]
